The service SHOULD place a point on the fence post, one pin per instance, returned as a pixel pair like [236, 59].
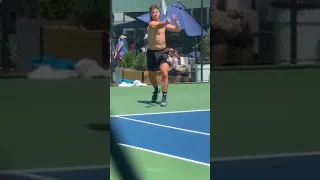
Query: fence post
[105, 50]
[202, 40]
[4, 35]
[41, 48]
[293, 31]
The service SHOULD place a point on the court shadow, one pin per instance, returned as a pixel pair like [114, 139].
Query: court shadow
[101, 127]
[149, 103]
[5, 163]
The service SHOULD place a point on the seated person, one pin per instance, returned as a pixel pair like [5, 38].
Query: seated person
[176, 69]
[229, 28]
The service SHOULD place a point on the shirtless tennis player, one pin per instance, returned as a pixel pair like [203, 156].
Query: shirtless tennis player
[157, 53]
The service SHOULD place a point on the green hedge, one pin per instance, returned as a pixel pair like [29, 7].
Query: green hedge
[91, 14]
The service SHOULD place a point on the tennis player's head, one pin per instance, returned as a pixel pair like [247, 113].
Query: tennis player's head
[154, 12]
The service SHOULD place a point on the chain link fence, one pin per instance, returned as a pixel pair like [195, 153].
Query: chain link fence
[194, 50]
[296, 32]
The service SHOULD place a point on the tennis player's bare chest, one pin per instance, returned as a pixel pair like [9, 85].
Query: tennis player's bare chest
[157, 31]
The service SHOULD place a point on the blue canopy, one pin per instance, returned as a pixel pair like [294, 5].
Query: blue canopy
[187, 21]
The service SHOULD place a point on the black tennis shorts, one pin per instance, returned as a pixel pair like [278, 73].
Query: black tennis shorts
[155, 58]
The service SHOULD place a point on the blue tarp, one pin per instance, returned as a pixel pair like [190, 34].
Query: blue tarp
[54, 62]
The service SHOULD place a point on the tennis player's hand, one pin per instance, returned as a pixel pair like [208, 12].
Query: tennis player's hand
[175, 18]
[167, 21]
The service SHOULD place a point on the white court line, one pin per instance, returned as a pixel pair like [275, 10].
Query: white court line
[222, 159]
[34, 176]
[164, 154]
[265, 156]
[169, 112]
[64, 169]
[61, 169]
[164, 126]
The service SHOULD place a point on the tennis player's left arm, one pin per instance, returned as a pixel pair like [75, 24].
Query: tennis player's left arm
[173, 28]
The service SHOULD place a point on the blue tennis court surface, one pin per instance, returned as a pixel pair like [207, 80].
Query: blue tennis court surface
[298, 166]
[178, 134]
[186, 135]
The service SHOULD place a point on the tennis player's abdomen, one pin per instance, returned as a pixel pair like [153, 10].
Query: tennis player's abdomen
[156, 39]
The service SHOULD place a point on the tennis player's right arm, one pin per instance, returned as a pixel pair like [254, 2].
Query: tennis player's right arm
[157, 25]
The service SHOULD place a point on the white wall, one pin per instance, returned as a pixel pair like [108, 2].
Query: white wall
[120, 18]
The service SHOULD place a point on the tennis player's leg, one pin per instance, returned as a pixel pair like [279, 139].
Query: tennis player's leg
[152, 67]
[154, 82]
[164, 69]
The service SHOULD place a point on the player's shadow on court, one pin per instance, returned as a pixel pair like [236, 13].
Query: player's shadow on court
[149, 104]
[101, 127]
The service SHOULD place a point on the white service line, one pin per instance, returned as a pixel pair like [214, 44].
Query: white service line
[35, 176]
[164, 154]
[169, 112]
[164, 126]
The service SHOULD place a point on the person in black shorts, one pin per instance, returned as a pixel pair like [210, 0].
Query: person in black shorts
[156, 57]
[157, 53]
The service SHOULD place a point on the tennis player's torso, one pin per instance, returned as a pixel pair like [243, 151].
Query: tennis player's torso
[156, 38]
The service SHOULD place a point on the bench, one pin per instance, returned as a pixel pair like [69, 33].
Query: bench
[184, 61]
[190, 62]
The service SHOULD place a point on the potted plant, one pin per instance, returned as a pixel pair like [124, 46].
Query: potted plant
[134, 67]
[125, 64]
[140, 62]
[206, 61]
[138, 67]
[128, 60]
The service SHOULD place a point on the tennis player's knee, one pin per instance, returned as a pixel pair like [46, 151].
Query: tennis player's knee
[165, 74]
[152, 74]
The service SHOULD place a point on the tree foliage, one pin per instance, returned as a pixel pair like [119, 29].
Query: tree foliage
[206, 47]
